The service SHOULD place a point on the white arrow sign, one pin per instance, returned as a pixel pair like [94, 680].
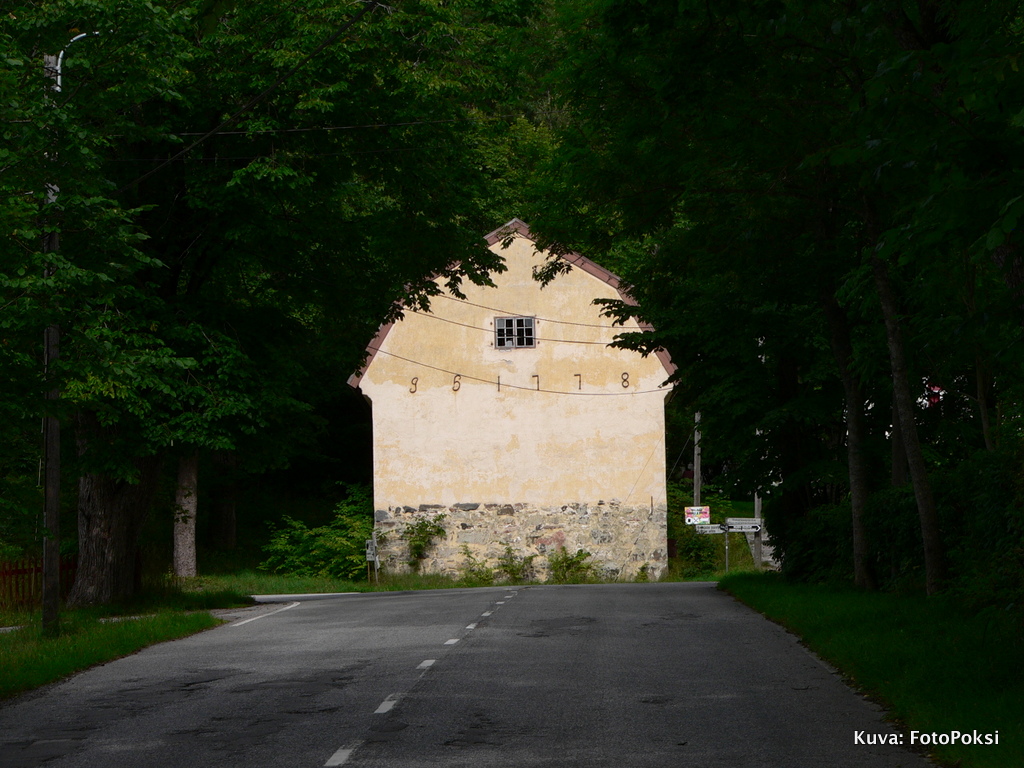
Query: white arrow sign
[745, 528]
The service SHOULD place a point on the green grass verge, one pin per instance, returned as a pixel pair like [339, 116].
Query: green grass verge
[29, 660]
[935, 665]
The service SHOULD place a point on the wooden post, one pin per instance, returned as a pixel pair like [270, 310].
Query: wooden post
[758, 557]
[51, 431]
[696, 459]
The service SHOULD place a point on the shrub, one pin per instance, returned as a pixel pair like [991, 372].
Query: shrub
[475, 572]
[337, 549]
[420, 535]
[695, 553]
[564, 568]
[518, 568]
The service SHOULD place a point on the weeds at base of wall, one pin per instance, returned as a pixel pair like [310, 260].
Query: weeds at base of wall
[518, 568]
[475, 572]
[420, 535]
[564, 568]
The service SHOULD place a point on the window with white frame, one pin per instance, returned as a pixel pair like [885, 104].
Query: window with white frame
[514, 332]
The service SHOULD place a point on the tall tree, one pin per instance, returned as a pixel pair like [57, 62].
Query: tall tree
[335, 160]
[852, 149]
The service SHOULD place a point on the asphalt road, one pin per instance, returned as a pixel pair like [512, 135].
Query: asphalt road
[615, 675]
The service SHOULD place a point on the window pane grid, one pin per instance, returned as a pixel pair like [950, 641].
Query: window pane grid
[514, 332]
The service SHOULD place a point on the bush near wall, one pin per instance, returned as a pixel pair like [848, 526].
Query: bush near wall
[337, 549]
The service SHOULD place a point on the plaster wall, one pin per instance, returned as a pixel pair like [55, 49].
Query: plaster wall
[570, 422]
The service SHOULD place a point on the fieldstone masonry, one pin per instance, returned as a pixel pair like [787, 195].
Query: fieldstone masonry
[621, 538]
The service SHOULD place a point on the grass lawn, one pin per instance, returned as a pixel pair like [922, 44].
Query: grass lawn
[936, 666]
[29, 660]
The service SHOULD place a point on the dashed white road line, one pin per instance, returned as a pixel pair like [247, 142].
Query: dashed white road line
[254, 618]
[388, 704]
[342, 755]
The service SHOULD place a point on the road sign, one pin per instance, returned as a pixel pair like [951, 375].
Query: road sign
[698, 515]
[371, 550]
[744, 528]
[708, 529]
[743, 521]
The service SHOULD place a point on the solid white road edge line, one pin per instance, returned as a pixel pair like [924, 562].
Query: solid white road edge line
[254, 618]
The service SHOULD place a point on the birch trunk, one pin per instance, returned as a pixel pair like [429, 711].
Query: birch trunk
[185, 506]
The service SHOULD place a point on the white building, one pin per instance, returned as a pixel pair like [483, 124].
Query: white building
[508, 413]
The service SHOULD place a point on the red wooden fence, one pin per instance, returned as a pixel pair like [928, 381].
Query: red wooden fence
[21, 581]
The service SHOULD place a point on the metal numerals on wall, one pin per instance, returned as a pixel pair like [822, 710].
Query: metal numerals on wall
[457, 382]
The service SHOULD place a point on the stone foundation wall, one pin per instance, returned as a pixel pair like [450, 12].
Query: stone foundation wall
[621, 538]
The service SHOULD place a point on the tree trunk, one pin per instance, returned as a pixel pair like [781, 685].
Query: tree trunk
[856, 434]
[225, 528]
[900, 475]
[934, 560]
[185, 505]
[111, 513]
[984, 385]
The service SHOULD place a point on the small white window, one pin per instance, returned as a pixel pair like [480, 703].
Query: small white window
[513, 332]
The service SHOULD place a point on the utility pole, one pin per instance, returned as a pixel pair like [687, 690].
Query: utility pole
[696, 459]
[53, 67]
[51, 427]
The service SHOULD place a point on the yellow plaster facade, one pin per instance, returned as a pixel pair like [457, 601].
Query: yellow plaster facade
[505, 441]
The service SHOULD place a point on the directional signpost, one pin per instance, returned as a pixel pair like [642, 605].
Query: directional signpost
[372, 557]
[745, 528]
[748, 525]
[709, 529]
[731, 525]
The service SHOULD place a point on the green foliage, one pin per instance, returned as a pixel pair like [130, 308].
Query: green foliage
[336, 550]
[564, 568]
[518, 568]
[420, 536]
[695, 552]
[209, 302]
[932, 661]
[473, 572]
[746, 168]
[979, 502]
[29, 660]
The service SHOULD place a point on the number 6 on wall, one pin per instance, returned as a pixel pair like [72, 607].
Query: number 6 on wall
[457, 382]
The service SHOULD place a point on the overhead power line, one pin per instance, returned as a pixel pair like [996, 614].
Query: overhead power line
[502, 385]
[542, 319]
[369, 5]
[491, 330]
[327, 128]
